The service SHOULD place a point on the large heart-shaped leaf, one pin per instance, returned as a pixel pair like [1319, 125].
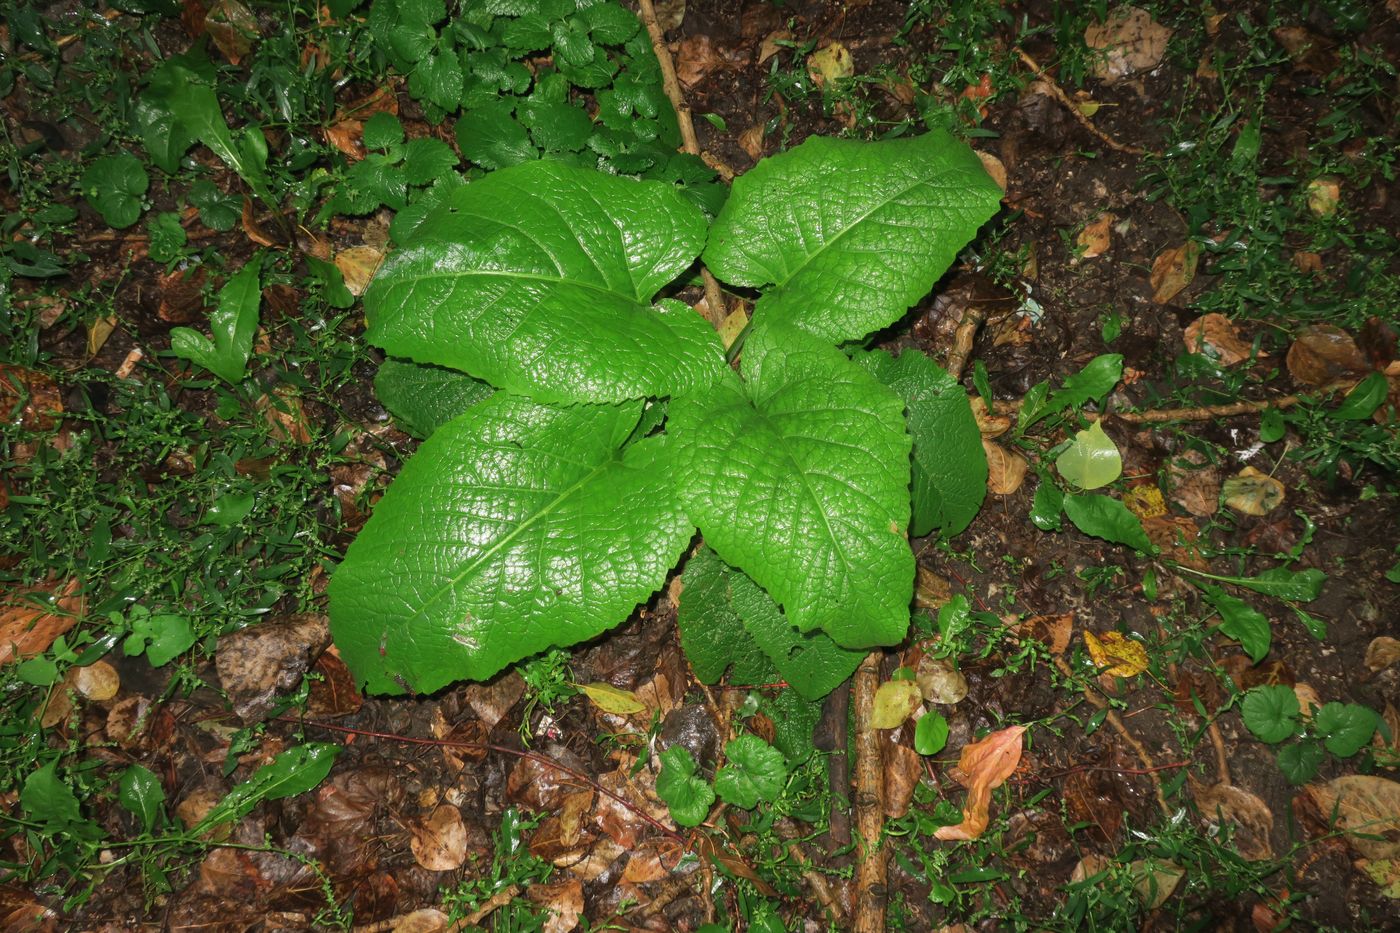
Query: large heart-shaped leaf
[539, 279]
[516, 527]
[950, 466]
[423, 398]
[801, 479]
[850, 234]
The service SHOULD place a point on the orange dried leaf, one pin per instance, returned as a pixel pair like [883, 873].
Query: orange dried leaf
[985, 766]
[32, 617]
[1096, 238]
[1173, 270]
[1215, 335]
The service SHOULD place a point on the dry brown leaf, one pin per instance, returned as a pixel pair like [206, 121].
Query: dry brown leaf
[1306, 262]
[1051, 631]
[751, 141]
[770, 45]
[233, 28]
[1253, 820]
[1215, 335]
[1155, 880]
[1381, 653]
[1367, 810]
[426, 920]
[563, 900]
[252, 229]
[988, 425]
[994, 168]
[1195, 486]
[34, 394]
[334, 691]
[22, 912]
[1173, 270]
[32, 617]
[1252, 492]
[1097, 236]
[1323, 354]
[940, 681]
[357, 266]
[930, 590]
[699, 55]
[1006, 469]
[439, 842]
[985, 766]
[1388, 753]
[903, 769]
[1308, 700]
[1089, 866]
[492, 700]
[1130, 42]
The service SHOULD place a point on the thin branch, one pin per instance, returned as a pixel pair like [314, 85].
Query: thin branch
[1058, 93]
[1196, 412]
[714, 298]
[963, 339]
[871, 893]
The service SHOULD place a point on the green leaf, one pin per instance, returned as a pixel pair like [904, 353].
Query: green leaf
[1271, 425]
[492, 138]
[1107, 518]
[425, 159]
[755, 771]
[930, 734]
[556, 127]
[1346, 727]
[294, 771]
[1047, 505]
[610, 23]
[425, 12]
[161, 638]
[438, 78]
[1271, 712]
[382, 131]
[688, 795]
[712, 634]
[165, 139]
[423, 398]
[950, 466]
[140, 792]
[1091, 460]
[167, 237]
[114, 185]
[1033, 407]
[1241, 621]
[513, 529]
[850, 234]
[1093, 382]
[1363, 400]
[572, 46]
[1299, 763]
[46, 798]
[217, 211]
[233, 324]
[528, 33]
[539, 279]
[332, 282]
[800, 478]
[1297, 585]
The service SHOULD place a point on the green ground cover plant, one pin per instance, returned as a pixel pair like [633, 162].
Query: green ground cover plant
[560, 492]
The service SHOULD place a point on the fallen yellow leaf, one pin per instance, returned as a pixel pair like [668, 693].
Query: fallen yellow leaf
[612, 699]
[1119, 655]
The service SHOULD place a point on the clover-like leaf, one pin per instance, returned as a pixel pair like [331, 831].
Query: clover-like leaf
[850, 234]
[1271, 712]
[114, 186]
[800, 477]
[1347, 727]
[756, 771]
[950, 466]
[539, 279]
[514, 528]
[688, 795]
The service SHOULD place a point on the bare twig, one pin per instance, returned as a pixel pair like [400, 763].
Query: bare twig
[714, 298]
[1198, 412]
[1058, 93]
[871, 892]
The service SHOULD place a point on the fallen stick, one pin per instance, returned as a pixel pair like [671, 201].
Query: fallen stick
[1058, 93]
[871, 893]
[714, 298]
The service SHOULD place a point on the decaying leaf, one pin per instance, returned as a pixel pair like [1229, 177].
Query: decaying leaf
[1155, 880]
[98, 681]
[563, 900]
[1381, 653]
[1323, 195]
[1367, 809]
[256, 663]
[425, 920]
[612, 699]
[32, 617]
[1006, 469]
[1251, 817]
[233, 28]
[1173, 270]
[940, 681]
[1118, 655]
[732, 326]
[903, 769]
[830, 64]
[1215, 335]
[1096, 237]
[1252, 492]
[357, 266]
[439, 842]
[1323, 354]
[984, 765]
[30, 397]
[994, 168]
[1385, 873]
[1051, 631]
[1130, 42]
[894, 701]
[930, 590]
[1145, 501]
[1195, 486]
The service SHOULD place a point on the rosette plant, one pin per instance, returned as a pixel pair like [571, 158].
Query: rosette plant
[580, 430]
